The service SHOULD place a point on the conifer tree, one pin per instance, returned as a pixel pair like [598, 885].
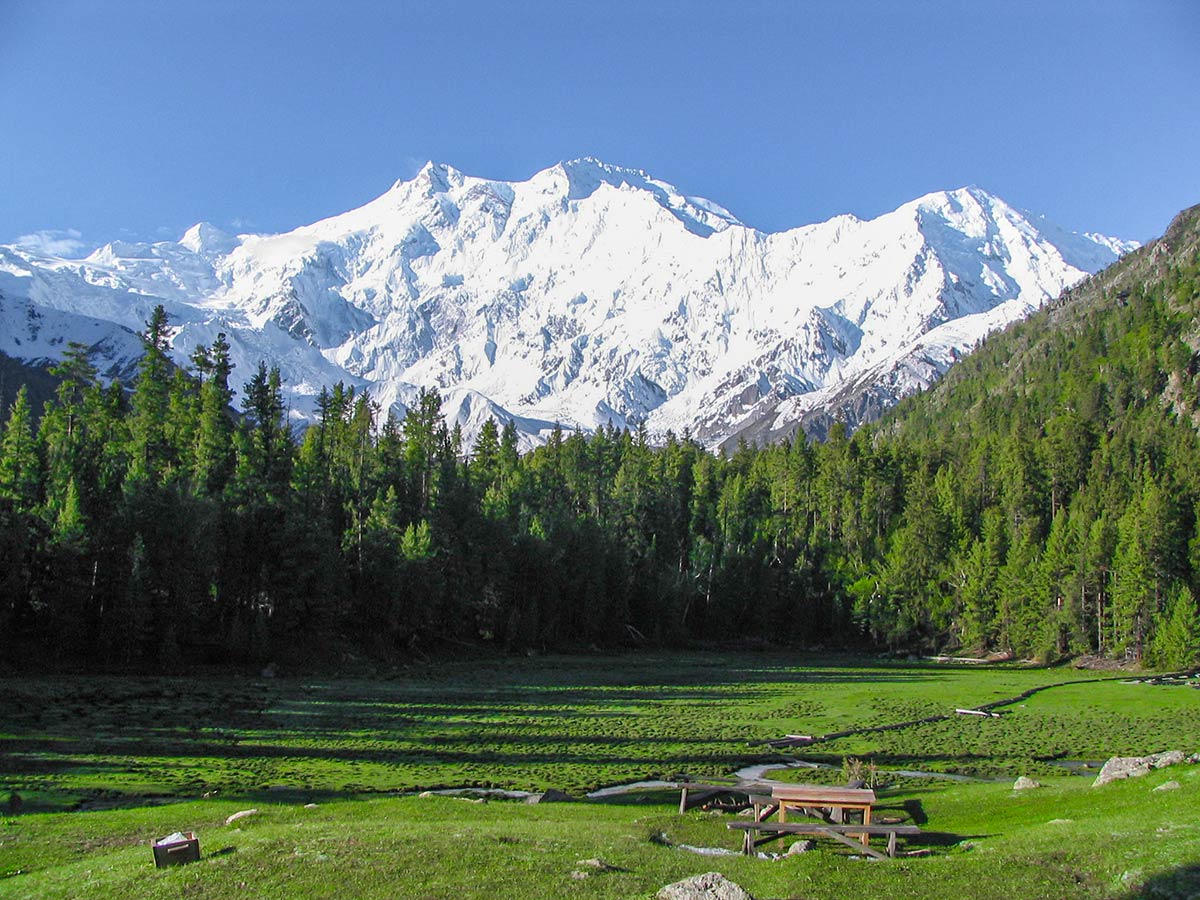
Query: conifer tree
[423, 435]
[1176, 640]
[214, 455]
[149, 446]
[20, 467]
[977, 584]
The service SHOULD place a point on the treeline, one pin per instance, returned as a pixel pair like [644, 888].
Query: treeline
[153, 527]
[1043, 500]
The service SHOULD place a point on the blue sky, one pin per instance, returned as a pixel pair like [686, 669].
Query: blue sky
[131, 119]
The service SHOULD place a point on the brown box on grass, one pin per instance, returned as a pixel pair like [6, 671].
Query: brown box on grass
[177, 852]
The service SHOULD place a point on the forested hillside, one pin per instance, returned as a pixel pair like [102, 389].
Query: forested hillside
[1057, 509]
[1043, 498]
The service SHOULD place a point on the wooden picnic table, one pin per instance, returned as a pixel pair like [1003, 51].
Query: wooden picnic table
[833, 809]
[829, 803]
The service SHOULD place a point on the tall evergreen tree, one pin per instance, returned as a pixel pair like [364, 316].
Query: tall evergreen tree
[20, 466]
[149, 446]
[214, 452]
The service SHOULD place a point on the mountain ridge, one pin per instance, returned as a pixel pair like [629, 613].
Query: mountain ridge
[586, 295]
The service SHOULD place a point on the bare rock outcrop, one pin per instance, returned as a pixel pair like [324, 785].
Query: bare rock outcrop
[709, 886]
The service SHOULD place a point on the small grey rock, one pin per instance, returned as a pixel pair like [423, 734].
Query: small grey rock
[598, 864]
[709, 886]
[1023, 784]
[800, 847]
[1167, 786]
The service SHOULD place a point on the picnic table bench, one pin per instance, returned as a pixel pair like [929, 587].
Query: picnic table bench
[853, 836]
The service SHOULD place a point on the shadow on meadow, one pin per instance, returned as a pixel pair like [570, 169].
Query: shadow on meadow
[1182, 883]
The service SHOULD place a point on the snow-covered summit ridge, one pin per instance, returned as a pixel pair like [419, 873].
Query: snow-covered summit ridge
[206, 238]
[587, 294]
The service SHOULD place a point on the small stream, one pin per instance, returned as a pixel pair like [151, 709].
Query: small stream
[1077, 766]
[759, 774]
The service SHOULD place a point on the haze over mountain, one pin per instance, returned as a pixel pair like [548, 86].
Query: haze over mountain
[586, 295]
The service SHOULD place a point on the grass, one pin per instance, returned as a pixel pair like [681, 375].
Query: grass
[149, 748]
[1089, 722]
[1063, 841]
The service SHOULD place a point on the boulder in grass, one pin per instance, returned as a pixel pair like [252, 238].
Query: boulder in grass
[241, 814]
[709, 886]
[1168, 786]
[1167, 758]
[1136, 766]
[1024, 784]
[1119, 767]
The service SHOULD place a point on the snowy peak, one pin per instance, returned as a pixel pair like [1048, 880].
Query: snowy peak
[436, 178]
[976, 213]
[208, 240]
[584, 176]
[588, 294]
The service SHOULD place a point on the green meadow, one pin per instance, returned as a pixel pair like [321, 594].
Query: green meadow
[105, 764]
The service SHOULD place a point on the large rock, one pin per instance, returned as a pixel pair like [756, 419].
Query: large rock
[1136, 766]
[709, 886]
[1119, 767]
[1167, 758]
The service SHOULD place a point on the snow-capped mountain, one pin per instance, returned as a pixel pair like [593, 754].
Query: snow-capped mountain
[586, 295]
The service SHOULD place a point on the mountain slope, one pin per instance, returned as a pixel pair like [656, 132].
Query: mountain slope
[1122, 341]
[1048, 488]
[590, 294]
